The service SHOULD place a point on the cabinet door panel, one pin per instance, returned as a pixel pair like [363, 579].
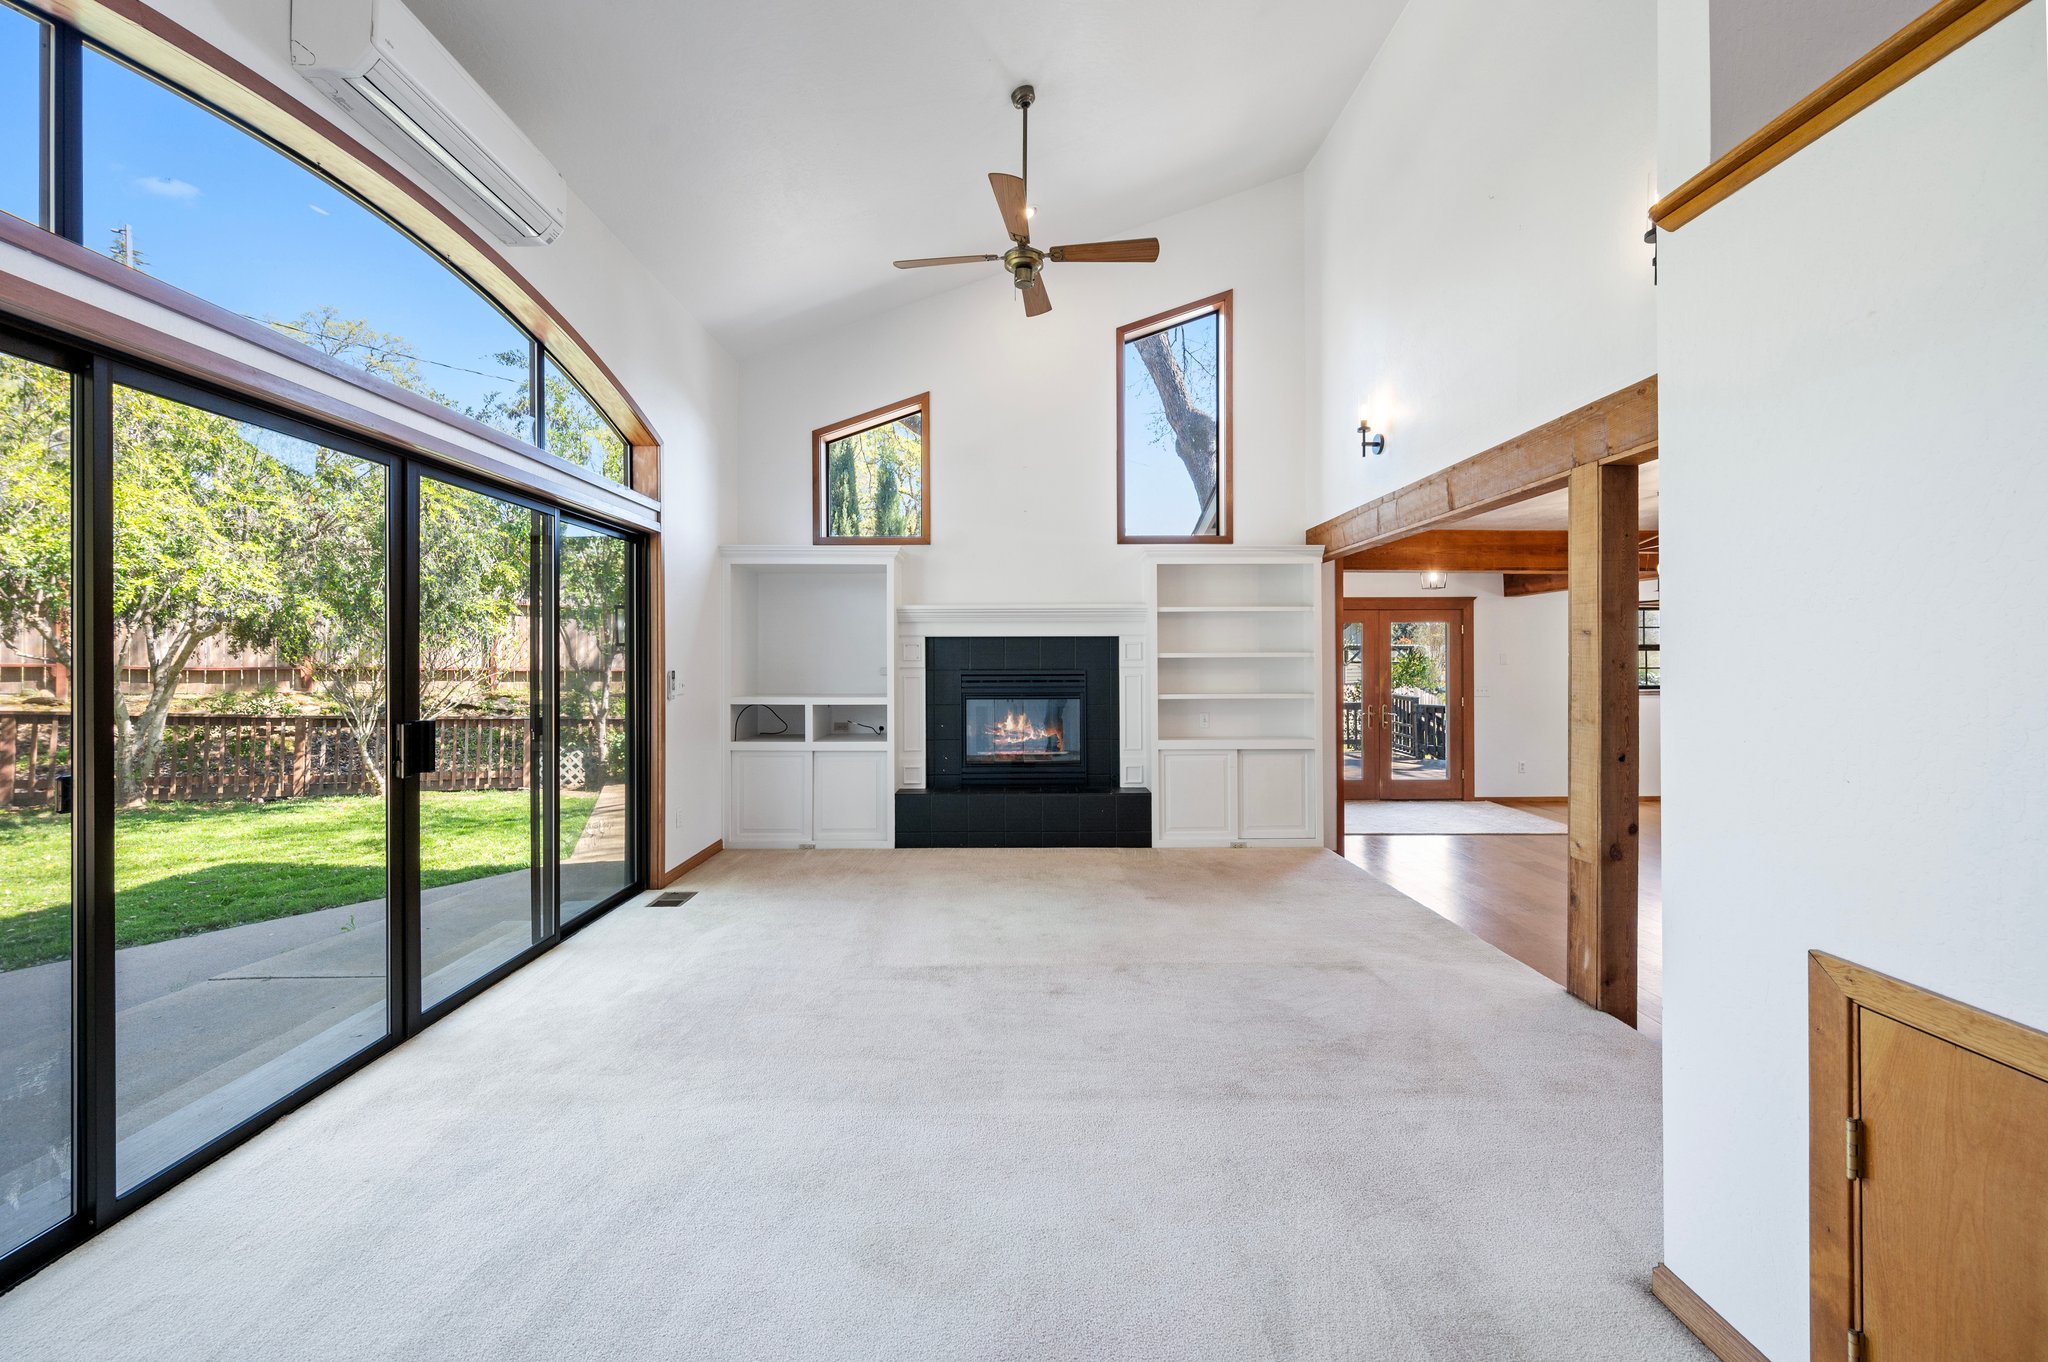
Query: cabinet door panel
[771, 801]
[1276, 793]
[851, 797]
[1197, 795]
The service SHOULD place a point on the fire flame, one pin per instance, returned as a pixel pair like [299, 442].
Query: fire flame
[1015, 732]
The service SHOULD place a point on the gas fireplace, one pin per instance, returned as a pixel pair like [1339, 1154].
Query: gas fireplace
[1023, 727]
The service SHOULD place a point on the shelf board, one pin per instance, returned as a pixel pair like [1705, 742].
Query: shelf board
[868, 743]
[771, 740]
[810, 700]
[1234, 609]
[1168, 657]
[1266, 744]
[1242, 695]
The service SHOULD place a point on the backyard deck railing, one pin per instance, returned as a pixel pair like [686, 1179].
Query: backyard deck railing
[259, 757]
[1420, 728]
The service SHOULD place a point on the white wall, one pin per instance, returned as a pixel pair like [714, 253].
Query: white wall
[682, 379]
[1023, 419]
[1475, 262]
[1854, 350]
[1521, 675]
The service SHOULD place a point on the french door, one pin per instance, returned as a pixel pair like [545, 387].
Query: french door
[280, 774]
[1403, 699]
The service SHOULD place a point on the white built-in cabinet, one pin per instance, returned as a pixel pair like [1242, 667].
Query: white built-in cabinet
[1238, 668]
[810, 708]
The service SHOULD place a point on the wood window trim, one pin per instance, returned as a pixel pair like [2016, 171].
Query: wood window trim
[854, 425]
[146, 288]
[1223, 305]
[1935, 34]
[173, 52]
[1658, 606]
[1837, 991]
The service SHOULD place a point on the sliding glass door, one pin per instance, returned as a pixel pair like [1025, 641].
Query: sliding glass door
[36, 851]
[481, 576]
[250, 651]
[593, 752]
[281, 776]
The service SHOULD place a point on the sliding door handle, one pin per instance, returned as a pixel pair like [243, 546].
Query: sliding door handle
[412, 751]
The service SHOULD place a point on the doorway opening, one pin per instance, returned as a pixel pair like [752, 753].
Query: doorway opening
[1404, 698]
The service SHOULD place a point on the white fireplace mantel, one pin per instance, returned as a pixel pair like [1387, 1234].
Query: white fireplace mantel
[1020, 621]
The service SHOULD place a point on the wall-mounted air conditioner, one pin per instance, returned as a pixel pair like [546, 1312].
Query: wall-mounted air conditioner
[374, 59]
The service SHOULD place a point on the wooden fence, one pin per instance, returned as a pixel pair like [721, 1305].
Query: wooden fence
[252, 757]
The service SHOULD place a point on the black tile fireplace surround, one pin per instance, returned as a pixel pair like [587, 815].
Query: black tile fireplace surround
[1040, 802]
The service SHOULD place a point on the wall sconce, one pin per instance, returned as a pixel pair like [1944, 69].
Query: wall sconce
[1369, 441]
[1435, 581]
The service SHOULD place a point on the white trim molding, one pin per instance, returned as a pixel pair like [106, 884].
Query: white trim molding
[1005, 621]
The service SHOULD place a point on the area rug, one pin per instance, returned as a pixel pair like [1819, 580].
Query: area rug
[1443, 817]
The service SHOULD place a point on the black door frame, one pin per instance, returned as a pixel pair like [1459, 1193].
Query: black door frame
[96, 370]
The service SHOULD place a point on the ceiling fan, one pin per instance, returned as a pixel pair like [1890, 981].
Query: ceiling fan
[1025, 262]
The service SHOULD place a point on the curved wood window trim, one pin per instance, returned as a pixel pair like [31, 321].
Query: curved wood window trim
[72, 256]
[1222, 304]
[1919, 45]
[66, 317]
[144, 36]
[868, 420]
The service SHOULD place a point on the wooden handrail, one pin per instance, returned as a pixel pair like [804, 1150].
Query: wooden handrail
[1893, 62]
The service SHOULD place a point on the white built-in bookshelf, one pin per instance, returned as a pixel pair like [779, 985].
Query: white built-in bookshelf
[1238, 662]
[810, 714]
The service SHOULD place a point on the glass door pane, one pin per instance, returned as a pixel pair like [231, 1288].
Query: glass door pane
[1351, 727]
[249, 645]
[1419, 714]
[35, 799]
[594, 752]
[480, 811]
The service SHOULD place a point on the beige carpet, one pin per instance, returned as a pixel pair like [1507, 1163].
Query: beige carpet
[893, 1106]
[1444, 817]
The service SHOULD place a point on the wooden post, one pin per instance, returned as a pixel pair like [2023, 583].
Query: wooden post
[8, 729]
[302, 755]
[1600, 931]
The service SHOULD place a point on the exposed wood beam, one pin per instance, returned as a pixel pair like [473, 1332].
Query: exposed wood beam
[1600, 921]
[1543, 583]
[1618, 428]
[1479, 551]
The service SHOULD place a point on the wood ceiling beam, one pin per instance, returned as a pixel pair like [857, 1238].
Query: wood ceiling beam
[1616, 429]
[1544, 551]
[1544, 583]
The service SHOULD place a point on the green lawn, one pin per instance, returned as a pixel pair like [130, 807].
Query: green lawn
[186, 868]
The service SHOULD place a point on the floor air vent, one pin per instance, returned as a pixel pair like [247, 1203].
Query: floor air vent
[674, 898]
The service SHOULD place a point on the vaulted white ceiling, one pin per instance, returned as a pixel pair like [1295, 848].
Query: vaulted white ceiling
[769, 158]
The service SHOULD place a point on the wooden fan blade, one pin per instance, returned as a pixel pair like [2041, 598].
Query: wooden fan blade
[1142, 251]
[1010, 199]
[923, 261]
[1036, 304]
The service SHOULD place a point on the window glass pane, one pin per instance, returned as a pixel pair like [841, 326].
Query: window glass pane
[35, 800]
[249, 863]
[477, 807]
[21, 121]
[577, 431]
[181, 193]
[874, 481]
[1173, 386]
[595, 756]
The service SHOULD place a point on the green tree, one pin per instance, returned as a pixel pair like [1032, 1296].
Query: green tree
[197, 510]
[35, 506]
[591, 613]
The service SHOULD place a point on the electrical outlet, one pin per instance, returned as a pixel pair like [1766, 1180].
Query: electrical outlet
[806, 846]
[1203, 718]
[1521, 768]
[841, 726]
[675, 687]
[1239, 846]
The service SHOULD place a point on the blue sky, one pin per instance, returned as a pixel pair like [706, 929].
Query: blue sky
[225, 216]
[1159, 499]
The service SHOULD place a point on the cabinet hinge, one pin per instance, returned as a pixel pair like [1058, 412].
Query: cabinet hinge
[1853, 1143]
[1856, 1353]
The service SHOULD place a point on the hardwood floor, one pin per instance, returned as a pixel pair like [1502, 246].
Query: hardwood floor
[1510, 892]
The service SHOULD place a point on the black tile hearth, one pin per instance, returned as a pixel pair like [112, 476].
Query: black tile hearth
[1022, 818]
